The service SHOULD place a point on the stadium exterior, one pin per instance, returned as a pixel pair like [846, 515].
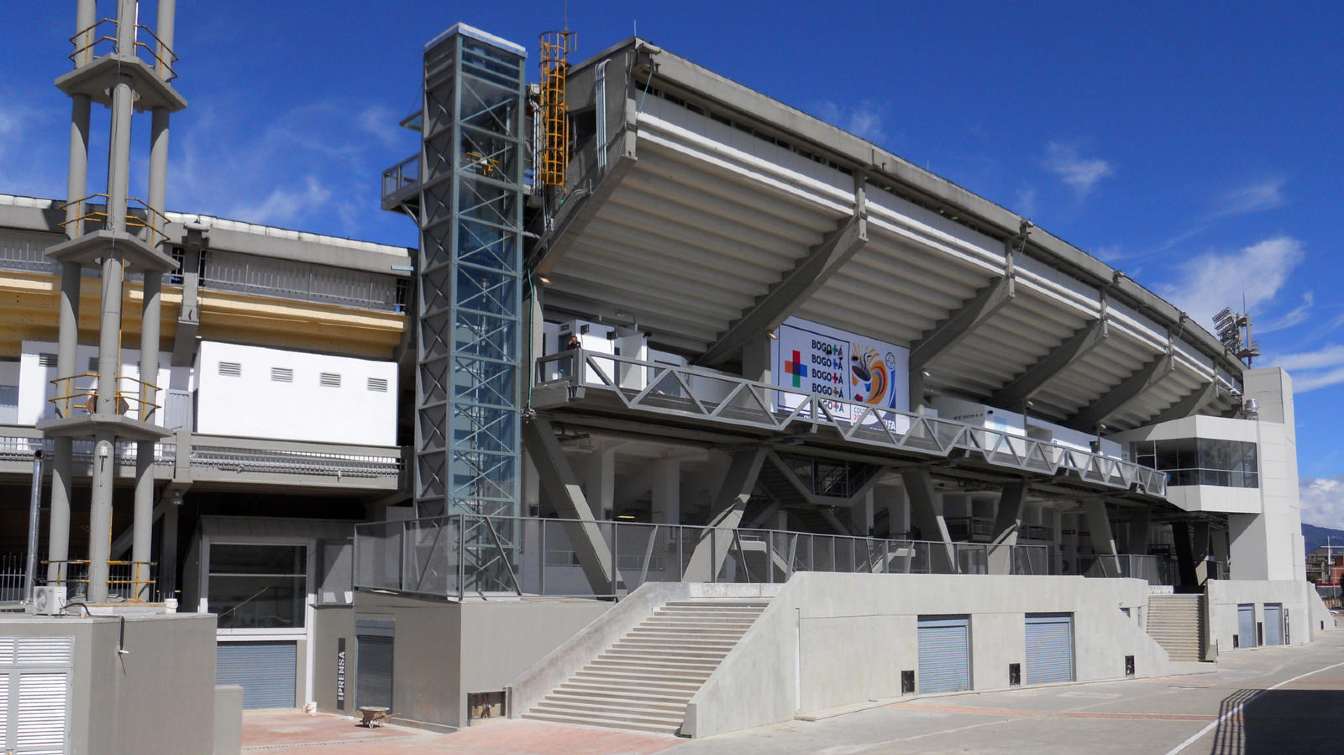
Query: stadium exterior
[742, 417]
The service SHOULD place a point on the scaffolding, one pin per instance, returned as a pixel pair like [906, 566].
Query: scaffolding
[553, 155]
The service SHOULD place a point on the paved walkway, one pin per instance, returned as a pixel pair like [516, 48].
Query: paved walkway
[1271, 700]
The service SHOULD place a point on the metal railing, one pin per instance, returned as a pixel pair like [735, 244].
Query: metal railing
[713, 396]
[129, 581]
[12, 577]
[539, 556]
[1156, 570]
[1223, 478]
[973, 528]
[17, 448]
[92, 40]
[140, 216]
[266, 276]
[73, 398]
[401, 176]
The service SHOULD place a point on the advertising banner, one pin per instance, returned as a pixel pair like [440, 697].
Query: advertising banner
[832, 363]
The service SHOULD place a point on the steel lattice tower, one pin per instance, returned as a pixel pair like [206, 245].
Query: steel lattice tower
[468, 271]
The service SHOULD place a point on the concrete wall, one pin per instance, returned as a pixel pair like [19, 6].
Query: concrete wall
[830, 640]
[255, 406]
[157, 698]
[331, 623]
[1225, 595]
[442, 651]
[35, 386]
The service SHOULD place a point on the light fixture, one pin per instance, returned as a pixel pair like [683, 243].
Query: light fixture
[625, 516]
[544, 280]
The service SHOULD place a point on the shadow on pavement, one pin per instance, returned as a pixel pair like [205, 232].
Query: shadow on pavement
[1279, 721]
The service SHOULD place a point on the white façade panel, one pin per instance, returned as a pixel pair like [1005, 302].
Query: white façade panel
[326, 399]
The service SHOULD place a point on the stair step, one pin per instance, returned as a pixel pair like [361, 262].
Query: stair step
[690, 643]
[669, 653]
[610, 724]
[624, 692]
[720, 603]
[656, 671]
[600, 704]
[650, 681]
[671, 664]
[611, 714]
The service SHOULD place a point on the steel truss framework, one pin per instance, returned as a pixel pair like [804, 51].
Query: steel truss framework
[681, 391]
[468, 299]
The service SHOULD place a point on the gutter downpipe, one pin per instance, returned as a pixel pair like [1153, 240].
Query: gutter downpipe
[34, 513]
[600, 101]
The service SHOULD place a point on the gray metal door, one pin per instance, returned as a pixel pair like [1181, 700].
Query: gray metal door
[1049, 648]
[373, 677]
[1273, 623]
[944, 654]
[265, 670]
[1246, 625]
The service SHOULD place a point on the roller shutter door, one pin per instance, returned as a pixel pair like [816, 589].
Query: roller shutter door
[1273, 623]
[265, 671]
[944, 654]
[35, 694]
[1049, 648]
[1246, 625]
[373, 680]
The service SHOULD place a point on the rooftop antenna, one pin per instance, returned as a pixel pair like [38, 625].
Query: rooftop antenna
[1234, 330]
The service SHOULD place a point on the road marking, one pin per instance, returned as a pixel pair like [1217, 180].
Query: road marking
[1237, 710]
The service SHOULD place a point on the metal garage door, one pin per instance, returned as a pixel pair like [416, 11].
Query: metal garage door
[1246, 625]
[265, 670]
[944, 653]
[1049, 648]
[373, 678]
[1273, 623]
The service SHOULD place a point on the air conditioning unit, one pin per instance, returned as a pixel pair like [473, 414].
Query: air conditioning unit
[49, 600]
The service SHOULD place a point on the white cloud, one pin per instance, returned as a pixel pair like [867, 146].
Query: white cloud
[1077, 172]
[864, 120]
[1295, 316]
[1313, 370]
[1254, 197]
[1323, 502]
[285, 205]
[1211, 281]
[382, 124]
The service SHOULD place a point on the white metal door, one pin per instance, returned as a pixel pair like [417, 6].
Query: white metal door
[35, 694]
[1273, 623]
[1049, 646]
[944, 654]
[1246, 625]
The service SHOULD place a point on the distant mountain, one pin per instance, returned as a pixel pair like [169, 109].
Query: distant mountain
[1315, 537]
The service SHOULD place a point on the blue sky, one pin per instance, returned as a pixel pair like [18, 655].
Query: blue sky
[1196, 146]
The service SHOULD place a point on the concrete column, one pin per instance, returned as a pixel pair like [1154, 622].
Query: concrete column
[756, 362]
[561, 486]
[164, 29]
[898, 511]
[1218, 547]
[667, 491]
[1185, 556]
[725, 516]
[118, 165]
[1139, 526]
[142, 527]
[600, 482]
[1007, 523]
[168, 550]
[861, 514]
[100, 515]
[1200, 550]
[158, 170]
[927, 520]
[1103, 540]
[109, 335]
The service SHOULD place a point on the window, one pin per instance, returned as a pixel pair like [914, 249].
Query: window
[231, 369]
[378, 385]
[1201, 461]
[330, 380]
[258, 586]
[282, 375]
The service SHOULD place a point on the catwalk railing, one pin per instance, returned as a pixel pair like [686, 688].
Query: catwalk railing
[1156, 570]
[537, 556]
[221, 454]
[714, 397]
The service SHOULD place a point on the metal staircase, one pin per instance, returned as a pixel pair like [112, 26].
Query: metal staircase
[646, 678]
[1177, 623]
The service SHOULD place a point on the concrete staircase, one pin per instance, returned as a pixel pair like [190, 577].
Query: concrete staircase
[1177, 623]
[645, 679]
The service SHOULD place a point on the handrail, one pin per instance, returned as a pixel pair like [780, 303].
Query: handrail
[131, 220]
[166, 61]
[668, 389]
[67, 396]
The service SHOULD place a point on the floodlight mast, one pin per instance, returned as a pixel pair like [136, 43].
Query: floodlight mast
[1234, 330]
